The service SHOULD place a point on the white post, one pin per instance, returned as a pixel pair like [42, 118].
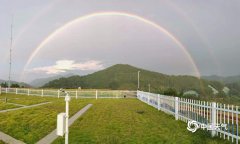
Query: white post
[16, 91]
[138, 79]
[58, 93]
[96, 94]
[67, 99]
[148, 97]
[28, 92]
[176, 108]
[76, 94]
[159, 104]
[149, 87]
[42, 92]
[213, 122]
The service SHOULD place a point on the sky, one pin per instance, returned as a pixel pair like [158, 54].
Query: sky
[57, 37]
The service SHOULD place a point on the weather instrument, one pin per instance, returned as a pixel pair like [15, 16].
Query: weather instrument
[62, 119]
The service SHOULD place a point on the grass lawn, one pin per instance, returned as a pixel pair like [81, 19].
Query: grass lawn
[30, 125]
[107, 121]
[4, 106]
[25, 100]
[117, 121]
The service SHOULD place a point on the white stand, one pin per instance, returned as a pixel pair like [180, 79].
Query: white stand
[62, 119]
[67, 99]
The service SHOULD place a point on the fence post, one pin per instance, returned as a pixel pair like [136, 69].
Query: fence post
[148, 98]
[42, 92]
[28, 92]
[159, 104]
[96, 94]
[58, 93]
[16, 90]
[176, 108]
[213, 122]
[6, 90]
[76, 94]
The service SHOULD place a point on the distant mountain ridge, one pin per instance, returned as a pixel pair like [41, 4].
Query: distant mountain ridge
[228, 79]
[42, 81]
[123, 76]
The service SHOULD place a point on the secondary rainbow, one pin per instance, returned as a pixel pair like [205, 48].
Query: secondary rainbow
[112, 13]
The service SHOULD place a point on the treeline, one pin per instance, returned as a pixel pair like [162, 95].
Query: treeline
[13, 85]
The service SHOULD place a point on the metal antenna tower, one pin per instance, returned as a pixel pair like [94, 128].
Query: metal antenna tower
[10, 55]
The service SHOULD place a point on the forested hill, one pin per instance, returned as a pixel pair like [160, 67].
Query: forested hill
[123, 76]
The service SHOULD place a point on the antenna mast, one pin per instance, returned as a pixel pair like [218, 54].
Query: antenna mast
[10, 56]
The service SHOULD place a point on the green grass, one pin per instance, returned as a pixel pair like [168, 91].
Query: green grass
[30, 125]
[107, 121]
[117, 121]
[4, 106]
[26, 100]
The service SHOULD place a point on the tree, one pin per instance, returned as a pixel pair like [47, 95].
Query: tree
[15, 85]
[113, 85]
[4, 84]
[170, 92]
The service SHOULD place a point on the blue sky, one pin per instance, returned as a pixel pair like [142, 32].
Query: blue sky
[209, 31]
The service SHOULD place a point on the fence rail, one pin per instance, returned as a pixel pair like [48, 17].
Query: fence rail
[200, 111]
[73, 93]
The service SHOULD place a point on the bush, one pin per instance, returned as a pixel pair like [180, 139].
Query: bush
[170, 92]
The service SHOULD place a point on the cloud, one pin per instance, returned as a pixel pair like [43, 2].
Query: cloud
[62, 66]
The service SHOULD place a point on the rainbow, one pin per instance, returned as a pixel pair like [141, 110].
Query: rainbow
[198, 32]
[112, 13]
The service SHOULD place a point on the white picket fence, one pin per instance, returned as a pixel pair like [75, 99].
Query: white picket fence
[73, 93]
[200, 111]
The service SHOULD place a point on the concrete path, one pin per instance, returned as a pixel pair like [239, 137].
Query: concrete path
[52, 136]
[8, 139]
[16, 104]
[24, 107]
[8, 98]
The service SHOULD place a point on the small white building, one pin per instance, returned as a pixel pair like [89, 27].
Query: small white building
[226, 90]
[215, 91]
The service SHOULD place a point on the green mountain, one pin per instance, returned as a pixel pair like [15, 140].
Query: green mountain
[123, 76]
[214, 78]
[232, 82]
[225, 80]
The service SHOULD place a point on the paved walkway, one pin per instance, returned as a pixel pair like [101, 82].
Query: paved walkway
[52, 136]
[8, 139]
[30, 106]
[16, 104]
